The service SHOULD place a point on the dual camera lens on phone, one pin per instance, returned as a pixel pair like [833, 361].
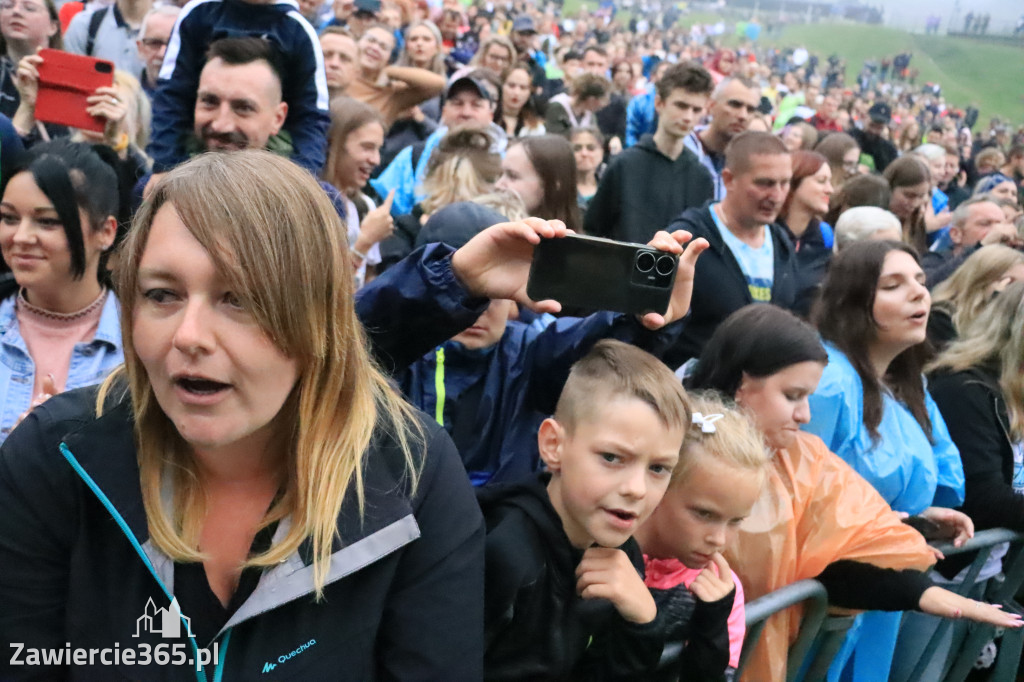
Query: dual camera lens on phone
[663, 264]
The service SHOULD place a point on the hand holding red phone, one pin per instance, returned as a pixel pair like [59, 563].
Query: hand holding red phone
[26, 79]
[106, 102]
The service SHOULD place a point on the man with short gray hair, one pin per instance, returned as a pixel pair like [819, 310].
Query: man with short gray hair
[154, 34]
[977, 222]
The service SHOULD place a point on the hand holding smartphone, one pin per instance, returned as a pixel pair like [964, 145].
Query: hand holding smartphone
[594, 274]
[66, 81]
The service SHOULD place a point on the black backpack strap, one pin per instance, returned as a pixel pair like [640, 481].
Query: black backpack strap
[94, 27]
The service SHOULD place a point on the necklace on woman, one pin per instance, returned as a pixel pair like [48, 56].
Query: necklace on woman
[24, 304]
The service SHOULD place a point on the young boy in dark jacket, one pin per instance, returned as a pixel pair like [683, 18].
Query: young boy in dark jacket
[565, 597]
[493, 384]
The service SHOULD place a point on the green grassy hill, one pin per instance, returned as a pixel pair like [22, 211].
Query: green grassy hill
[991, 76]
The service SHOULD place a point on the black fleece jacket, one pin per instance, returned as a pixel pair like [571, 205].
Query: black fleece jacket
[535, 625]
[973, 405]
[719, 287]
[642, 190]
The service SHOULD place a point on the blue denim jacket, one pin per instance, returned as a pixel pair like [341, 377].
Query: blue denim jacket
[90, 362]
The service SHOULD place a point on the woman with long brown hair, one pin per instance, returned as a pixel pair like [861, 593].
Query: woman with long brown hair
[542, 171]
[250, 479]
[871, 407]
[910, 182]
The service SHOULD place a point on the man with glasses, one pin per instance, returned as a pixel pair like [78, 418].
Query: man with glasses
[154, 34]
[110, 33]
[733, 104]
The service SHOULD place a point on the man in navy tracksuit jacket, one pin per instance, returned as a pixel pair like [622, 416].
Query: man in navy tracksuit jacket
[304, 90]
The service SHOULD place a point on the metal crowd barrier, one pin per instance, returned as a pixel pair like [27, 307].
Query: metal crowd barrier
[969, 647]
[820, 635]
[759, 610]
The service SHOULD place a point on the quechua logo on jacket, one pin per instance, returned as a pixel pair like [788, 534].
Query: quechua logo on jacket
[284, 658]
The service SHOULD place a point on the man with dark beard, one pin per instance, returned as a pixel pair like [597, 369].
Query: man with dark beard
[239, 104]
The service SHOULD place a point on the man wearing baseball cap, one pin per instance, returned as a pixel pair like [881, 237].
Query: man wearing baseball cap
[469, 101]
[881, 151]
[524, 30]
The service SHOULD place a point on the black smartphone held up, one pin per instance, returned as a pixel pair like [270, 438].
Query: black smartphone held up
[600, 274]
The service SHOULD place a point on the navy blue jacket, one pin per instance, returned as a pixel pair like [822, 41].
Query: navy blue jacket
[304, 79]
[520, 379]
[403, 600]
[412, 310]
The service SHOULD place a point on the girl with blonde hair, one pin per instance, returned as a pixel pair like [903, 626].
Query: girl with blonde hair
[249, 467]
[961, 298]
[462, 167]
[723, 467]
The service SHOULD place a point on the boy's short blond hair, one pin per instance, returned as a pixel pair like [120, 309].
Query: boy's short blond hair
[735, 441]
[613, 369]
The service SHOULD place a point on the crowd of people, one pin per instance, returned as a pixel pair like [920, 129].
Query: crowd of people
[269, 357]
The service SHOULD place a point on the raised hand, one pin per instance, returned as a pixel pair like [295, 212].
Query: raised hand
[682, 291]
[606, 573]
[496, 262]
[709, 587]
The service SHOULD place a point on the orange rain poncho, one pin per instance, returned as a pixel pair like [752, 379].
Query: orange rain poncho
[814, 510]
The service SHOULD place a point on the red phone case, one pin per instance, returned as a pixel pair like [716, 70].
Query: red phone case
[65, 81]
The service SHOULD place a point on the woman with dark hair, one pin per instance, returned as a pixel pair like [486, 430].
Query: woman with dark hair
[25, 27]
[910, 182]
[862, 190]
[801, 216]
[516, 112]
[58, 319]
[588, 148]
[871, 407]
[817, 517]
[542, 171]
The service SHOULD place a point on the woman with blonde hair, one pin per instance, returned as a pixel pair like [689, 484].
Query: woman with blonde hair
[249, 467]
[908, 136]
[496, 53]
[462, 167]
[423, 47]
[978, 386]
[969, 290]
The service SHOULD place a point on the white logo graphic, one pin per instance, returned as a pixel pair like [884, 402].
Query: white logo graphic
[164, 622]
